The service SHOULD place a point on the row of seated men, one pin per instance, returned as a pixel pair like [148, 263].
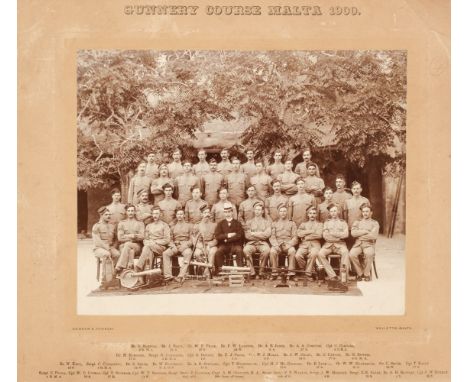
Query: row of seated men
[211, 242]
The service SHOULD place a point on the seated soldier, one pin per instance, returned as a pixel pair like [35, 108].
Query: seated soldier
[283, 239]
[204, 239]
[335, 230]
[181, 244]
[310, 233]
[366, 231]
[130, 233]
[157, 238]
[103, 233]
[230, 236]
[257, 233]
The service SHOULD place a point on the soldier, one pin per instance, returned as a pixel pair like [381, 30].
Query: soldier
[185, 182]
[116, 208]
[175, 167]
[139, 182]
[230, 236]
[130, 233]
[211, 183]
[204, 238]
[272, 202]
[261, 181]
[249, 167]
[217, 211]
[158, 183]
[283, 239]
[103, 233]
[288, 179]
[324, 214]
[366, 231]
[202, 167]
[168, 205]
[193, 206]
[301, 168]
[310, 233]
[143, 208]
[236, 183]
[335, 231]
[340, 195]
[277, 167]
[157, 238]
[225, 166]
[299, 203]
[152, 168]
[257, 233]
[181, 244]
[352, 205]
[314, 184]
[246, 209]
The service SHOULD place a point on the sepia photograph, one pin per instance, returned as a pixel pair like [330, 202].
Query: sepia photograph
[241, 182]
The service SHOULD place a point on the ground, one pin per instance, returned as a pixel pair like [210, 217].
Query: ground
[382, 296]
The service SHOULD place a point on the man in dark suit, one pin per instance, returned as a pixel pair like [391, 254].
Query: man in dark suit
[230, 236]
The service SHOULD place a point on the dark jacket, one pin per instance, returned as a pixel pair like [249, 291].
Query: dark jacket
[223, 228]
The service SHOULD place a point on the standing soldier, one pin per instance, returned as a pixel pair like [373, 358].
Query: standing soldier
[168, 205]
[152, 168]
[211, 183]
[139, 182]
[249, 167]
[143, 208]
[299, 203]
[277, 167]
[157, 238]
[181, 244]
[310, 233]
[103, 233]
[225, 166]
[283, 239]
[217, 211]
[175, 167]
[340, 195]
[116, 208]
[158, 183]
[204, 238]
[185, 182]
[324, 214]
[288, 179]
[246, 208]
[130, 233]
[335, 231]
[352, 211]
[275, 200]
[236, 183]
[261, 181]
[202, 167]
[193, 206]
[314, 184]
[301, 168]
[366, 231]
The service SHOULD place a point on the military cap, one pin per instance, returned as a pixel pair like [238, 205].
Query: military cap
[299, 179]
[101, 210]
[331, 206]
[281, 205]
[141, 192]
[258, 204]
[311, 208]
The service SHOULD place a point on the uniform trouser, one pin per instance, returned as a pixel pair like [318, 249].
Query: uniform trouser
[257, 246]
[369, 253]
[128, 251]
[101, 253]
[284, 249]
[148, 252]
[339, 249]
[183, 248]
[226, 249]
[200, 255]
[307, 254]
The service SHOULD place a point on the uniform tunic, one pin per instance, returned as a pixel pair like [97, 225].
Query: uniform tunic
[183, 184]
[192, 210]
[249, 169]
[298, 205]
[257, 233]
[224, 167]
[143, 212]
[103, 235]
[168, 209]
[236, 183]
[324, 214]
[340, 197]
[351, 207]
[272, 203]
[157, 238]
[137, 183]
[157, 188]
[130, 246]
[175, 169]
[275, 169]
[206, 245]
[288, 185]
[314, 185]
[117, 211]
[211, 183]
[217, 211]
[334, 232]
[180, 244]
[246, 210]
[262, 184]
[366, 232]
[201, 168]
[152, 170]
[301, 169]
[283, 239]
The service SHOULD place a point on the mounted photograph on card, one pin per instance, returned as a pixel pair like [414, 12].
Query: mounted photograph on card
[241, 182]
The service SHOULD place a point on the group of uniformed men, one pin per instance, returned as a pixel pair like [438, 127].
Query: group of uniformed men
[212, 210]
